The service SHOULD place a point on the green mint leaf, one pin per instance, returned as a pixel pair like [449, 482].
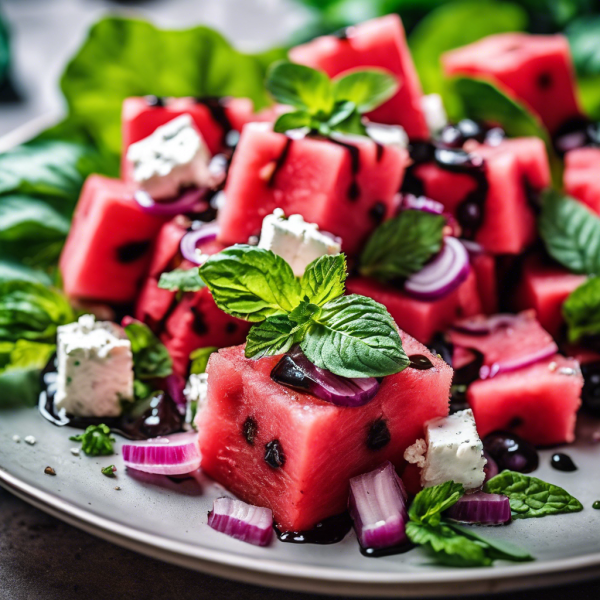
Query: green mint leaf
[324, 279]
[401, 246]
[342, 111]
[448, 547]
[109, 471]
[496, 549]
[292, 120]
[305, 312]
[583, 34]
[582, 310]
[355, 336]
[367, 89]
[571, 233]
[531, 497]
[351, 125]
[142, 389]
[181, 280]
[151, 360]
[299, 86]
[430, 503]
[251, 283]
[199, 359]
[95, 440]
[275, 335]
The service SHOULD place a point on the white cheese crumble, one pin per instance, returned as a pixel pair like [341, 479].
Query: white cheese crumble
[452, 451]
[435, 113]
[16, 439]
[388, 135]
[196, 389]
[172, 157]
[295, 240]
[30, 440]
[95, 368]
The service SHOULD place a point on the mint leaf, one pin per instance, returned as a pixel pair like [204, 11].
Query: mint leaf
[367, 89]
[274, 336]
[151, 360]
[531, 497]
[96, 440]
[299, 86]
[581, 310]
[355, 336]
[199, 359]
[324, 279]
[497, 549]
[583, 35]
[181, 280]
[292, 120]
[430, 503]
[401, 246]
[251, 283]
[571, 233]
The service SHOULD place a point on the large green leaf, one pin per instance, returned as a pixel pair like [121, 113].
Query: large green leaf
[127, 57]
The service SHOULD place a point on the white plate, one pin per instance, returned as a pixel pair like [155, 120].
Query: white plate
[167, 520]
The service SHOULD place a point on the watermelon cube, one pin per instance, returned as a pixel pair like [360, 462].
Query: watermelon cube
[581, 176]
[421, 319]
[294, 453]
[376, 43]
[347, 188]
[484, 267]
[534, 69]
[108, 250]
[539, 400]
[544, 287]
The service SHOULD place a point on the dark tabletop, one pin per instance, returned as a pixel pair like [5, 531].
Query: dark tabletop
[42, 558]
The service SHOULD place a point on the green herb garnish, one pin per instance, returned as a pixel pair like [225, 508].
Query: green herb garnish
[324, 105]
[95, 440]
[199, 359]
[351, 336]
[109, 471]
[531, 497]
[181, 280]
[581, 310]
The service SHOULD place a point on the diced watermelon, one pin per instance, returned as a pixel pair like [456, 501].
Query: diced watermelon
[376, 43]
[581, 176]
[544, 287]
[535, 69]
[484, 267]
[108, 251]
[419, 318]
[346, 190]
[321, 445]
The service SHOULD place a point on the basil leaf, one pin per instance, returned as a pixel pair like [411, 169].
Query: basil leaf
[531, 497]
[430, 503]
[496, 549]
[199, 359]
[31, 311]
[181, 280]
[275, 335]
[582, 310]
[355, 336]
[571, 233]
[299, 86]
[401, 246]
[251, 283]
[292, 120]
[367, 89]
[324, 279]
[151, 360]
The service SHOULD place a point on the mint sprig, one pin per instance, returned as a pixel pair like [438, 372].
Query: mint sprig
[351, 336]
[581, 310]
[323, 105]
[181, 280]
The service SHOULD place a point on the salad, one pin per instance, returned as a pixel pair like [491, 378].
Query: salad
[346, 308]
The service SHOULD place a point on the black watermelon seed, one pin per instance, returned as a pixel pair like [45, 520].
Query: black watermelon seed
[379, 435]
[544, 81]
[249, 430]
[377, 212]
[129, 253]
[231, 328]
[198, 324]
[274, 455]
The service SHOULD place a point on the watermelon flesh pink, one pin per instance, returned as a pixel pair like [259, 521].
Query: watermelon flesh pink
[534, 69]
[484, 267]
[420, 318]
[376, 43]
[109, 247]
[581, 176]
[345, 188]
[320, 445]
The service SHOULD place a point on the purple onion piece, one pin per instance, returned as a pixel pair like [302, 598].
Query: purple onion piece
[164, 457]
[191, 241]
[296, 371]
[481, 508]
[412, 202]
[251, 524]
[377, 505]
[507, 366]
[483, 325]
[185, 203]
[442, 275]
[491, 467]
[473, 248]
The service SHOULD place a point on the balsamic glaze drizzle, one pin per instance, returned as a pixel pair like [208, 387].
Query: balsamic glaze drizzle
[563, 462]
[328, 531]
[280, 162]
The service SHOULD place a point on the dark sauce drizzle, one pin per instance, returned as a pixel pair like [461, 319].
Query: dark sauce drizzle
[353, 190]
[329, 531]
[217, 108]
[280, 162]
[379, 552]
[563, 462]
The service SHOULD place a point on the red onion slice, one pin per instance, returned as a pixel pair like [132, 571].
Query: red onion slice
[489, 371]
[187, 202]
[473, 248]
[251, 524]
[377, 504]
[176, 456]
[442, 275]
[423, 203]
[482, 509]
[484, 325]
[296, 371]
[192, 240]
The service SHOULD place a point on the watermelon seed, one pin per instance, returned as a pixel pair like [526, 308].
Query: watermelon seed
[274, 455]
[249, 429]
[544, 81]
[379, 435]
[128, 253]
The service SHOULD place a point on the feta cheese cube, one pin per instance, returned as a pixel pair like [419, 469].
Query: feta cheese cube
[295, 240]
[435, 114]
[95, 368]
[452, 451]
[172, 157]
[388, 135]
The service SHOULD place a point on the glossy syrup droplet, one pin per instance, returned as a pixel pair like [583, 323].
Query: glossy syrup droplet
[563, 462]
